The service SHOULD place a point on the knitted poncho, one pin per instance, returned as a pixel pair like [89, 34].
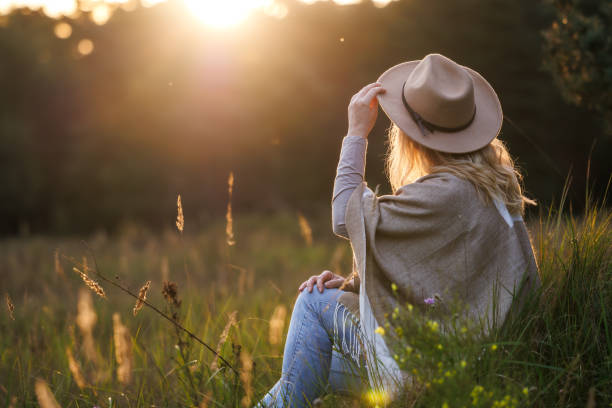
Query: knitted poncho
[434, 237]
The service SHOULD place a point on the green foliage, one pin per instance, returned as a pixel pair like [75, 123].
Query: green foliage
[578, 53]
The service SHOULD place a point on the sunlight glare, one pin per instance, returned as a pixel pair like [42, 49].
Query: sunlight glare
[100, 14]
[381, 3]
[223, 13]
[150, 3]
[59, 8]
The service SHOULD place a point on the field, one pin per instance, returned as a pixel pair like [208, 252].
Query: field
[94, 351]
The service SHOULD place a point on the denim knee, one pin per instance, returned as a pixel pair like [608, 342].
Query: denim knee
[329, 296]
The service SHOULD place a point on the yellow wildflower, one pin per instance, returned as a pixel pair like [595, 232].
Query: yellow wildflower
[380, 330]
[433, 325]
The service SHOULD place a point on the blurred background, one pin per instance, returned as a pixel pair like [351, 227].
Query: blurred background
[109, 109]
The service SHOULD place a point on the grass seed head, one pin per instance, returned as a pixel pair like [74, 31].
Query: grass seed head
[10, 306]
[277, 324]
[75, 369]
[57, 264]
[142, 296]
[45, 397]
[205, 400]
[305, 229]
[229, 226]
[170, 292]
[180, 219]
[231, 322]
[246, 377]
[165, 269]
[123, 350]
[90, 283]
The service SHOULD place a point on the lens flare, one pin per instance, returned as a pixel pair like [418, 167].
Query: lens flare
[62, 30]
[85, 46]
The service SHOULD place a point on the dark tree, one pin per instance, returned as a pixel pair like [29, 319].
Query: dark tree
[578, 53]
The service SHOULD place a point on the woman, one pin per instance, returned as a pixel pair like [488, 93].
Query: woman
[452, 230]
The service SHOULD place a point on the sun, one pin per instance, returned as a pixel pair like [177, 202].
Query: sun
[223, 13]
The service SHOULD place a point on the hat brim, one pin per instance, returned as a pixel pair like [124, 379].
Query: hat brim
[485, 126]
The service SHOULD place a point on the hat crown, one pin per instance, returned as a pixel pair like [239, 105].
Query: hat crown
[441, 92]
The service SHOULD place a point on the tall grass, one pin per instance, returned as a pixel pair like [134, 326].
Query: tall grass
[89, 351]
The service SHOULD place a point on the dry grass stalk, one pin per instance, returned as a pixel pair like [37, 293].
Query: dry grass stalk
[336, 258]
[242, 281]
[57, 264]
[229, 226]
[180, 219]
[10, 306]
[142, 296]
[305, 229]
[123, 350]
[277, 324]
[165, 269]
[231, 322]
[170, 292]
[246, 378]
[591, 398]
[45, 397]
[75, 369]
[205, 400]
[86, 320]
[90, 283]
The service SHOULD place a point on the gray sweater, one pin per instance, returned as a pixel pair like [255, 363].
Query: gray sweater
[349, 175]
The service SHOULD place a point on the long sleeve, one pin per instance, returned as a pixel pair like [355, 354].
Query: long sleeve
[350, 173]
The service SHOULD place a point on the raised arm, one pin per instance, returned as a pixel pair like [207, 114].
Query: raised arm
[350, 173]
[362, 113]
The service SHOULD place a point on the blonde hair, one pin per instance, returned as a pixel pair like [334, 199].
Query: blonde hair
[491, 169]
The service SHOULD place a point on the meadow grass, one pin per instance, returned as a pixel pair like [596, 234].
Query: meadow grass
[92, 351]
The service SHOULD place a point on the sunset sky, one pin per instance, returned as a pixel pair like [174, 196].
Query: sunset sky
[213, 13]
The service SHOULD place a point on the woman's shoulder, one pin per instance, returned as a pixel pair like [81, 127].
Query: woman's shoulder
[436, 196]
[442, 186]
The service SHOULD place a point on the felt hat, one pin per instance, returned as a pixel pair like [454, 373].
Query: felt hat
[441, 104]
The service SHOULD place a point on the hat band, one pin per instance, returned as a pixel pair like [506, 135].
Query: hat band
[428, 127]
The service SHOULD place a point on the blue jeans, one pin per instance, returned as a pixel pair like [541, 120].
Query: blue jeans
[321, 352]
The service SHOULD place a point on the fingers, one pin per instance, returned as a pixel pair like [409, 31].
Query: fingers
[310, 283]
[322, 278]
[321, 281]
[334, 283]
[368, 87]
[369, 96]
[302, 286]
[365, 90]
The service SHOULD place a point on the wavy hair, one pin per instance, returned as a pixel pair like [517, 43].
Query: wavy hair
[491, 169]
